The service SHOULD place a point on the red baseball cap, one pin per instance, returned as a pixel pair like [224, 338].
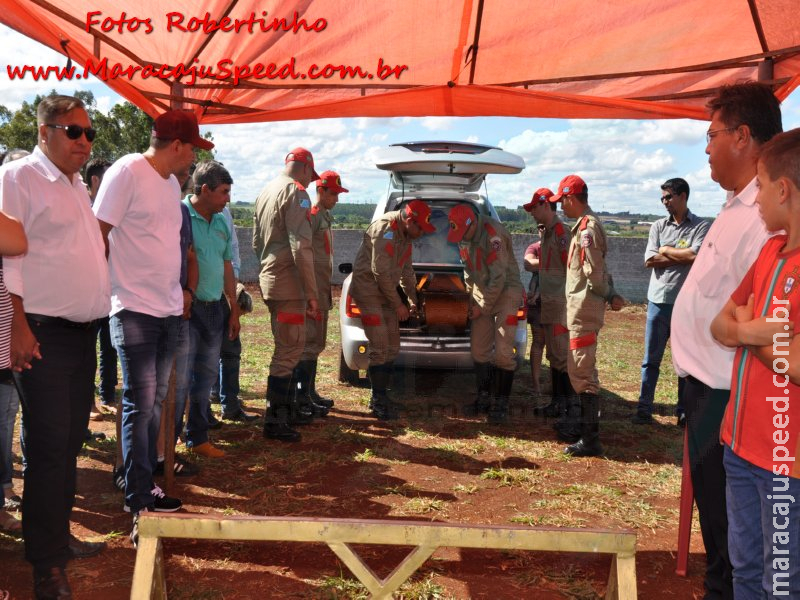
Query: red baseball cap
[420, 213]
[571, 184]
[330, 180]
[180, 125]
[304, 156]
[540, 195]
[461, 216]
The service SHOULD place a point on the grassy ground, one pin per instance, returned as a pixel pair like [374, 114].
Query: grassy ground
[434, 465]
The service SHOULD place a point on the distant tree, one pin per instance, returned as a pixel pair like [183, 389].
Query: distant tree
[125, 129]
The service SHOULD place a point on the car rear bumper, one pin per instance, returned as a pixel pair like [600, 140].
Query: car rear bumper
[420, 351]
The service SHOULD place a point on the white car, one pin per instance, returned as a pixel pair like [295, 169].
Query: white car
[442, 174]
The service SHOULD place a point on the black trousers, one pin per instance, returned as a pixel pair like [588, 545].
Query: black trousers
[705, 408]
[57, 395]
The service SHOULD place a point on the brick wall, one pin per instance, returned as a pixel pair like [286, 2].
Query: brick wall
[625, 259]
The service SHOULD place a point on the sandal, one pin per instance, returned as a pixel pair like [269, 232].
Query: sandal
[9, 524]
[118, 477]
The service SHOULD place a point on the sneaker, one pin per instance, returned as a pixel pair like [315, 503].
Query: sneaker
[213, 422]
[118, 477]
[681, 420]
[134, 536]
[642, 418]
[208, 450]
[161, 502]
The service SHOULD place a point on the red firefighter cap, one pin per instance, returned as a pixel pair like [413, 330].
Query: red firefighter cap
[420, 213]
[330, 180]
[461, 216]
[540, 195]
[571, 184]
[304, 156]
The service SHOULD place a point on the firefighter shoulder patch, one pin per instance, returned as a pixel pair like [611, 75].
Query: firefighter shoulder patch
[496, 244]
[587, 240]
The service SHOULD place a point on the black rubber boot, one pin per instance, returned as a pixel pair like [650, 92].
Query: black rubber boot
[502, 380]
[568, 426]
[311, 366]
[276, 417]
[557, 404]
[589, 444]
[302, 409]
[381, 406]
[483, 385]
[306, 370]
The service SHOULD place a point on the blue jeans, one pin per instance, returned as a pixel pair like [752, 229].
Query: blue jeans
[107, 363]
[183, 374]
[146, 349]
[230, 357]
[760, 506]
[206, 327]
[9, 405]
[656, 334]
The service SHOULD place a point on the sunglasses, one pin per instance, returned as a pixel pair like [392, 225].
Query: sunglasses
[666, 197]
[75, 131]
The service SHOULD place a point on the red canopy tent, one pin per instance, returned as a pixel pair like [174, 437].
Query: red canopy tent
[534, 58]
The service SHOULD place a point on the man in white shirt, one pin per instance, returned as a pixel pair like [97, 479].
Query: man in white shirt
[60, 288]
[138, 208]
[743, 117]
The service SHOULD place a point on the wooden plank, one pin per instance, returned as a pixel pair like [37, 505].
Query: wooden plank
[407, 568]
[148, 572]
[339, 534]
[404, 533]
[612, 590]
[626, 576]
[357, 567]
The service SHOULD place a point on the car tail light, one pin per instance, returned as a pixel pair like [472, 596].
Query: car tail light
[522, 311]
[351, 308]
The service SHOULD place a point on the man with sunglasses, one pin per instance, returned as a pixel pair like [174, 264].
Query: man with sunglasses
[383, 261]
[60, 289]
[672, 247]
[138, 208]
[743, 118]
[491, 275]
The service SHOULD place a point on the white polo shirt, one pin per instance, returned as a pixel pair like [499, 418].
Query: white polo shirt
[730, 247]
[144, 244]
[64, 273]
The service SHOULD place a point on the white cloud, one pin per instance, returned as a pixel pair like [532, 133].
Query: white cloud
[438, 123]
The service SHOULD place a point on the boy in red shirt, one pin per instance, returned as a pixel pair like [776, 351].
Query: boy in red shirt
[761, 427]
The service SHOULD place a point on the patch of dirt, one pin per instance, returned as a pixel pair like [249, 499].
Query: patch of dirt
[432, 465]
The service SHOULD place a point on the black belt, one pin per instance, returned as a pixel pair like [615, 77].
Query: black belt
[207, 302]
[60, 321]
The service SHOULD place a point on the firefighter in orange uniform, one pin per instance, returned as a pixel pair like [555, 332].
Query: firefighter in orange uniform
[329, 186]
[491, 275]
[282, 242]
[383, 261]
[588, 288]
[552, 279]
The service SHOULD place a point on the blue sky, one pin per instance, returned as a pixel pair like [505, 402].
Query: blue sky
[623, 162]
